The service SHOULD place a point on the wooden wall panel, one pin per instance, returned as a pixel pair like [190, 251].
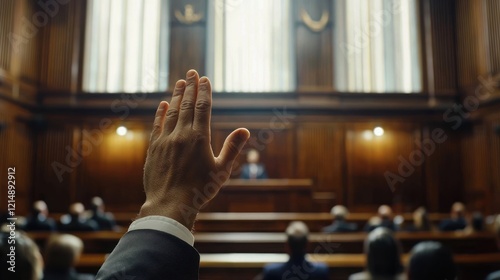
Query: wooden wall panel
[6, 27]
[476, 166]
[56, 163]
[443, 46]
[16, 150]
[112, 167]
[471, 49]
[320, 156]
[492, 8]
[369, 157]
[442, 170]
[58, 47]
[314, 51]
[26, 57]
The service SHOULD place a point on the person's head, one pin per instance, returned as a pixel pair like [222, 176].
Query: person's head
[40, 208]
[27, 259]
[430, 260]
[421, 219]
[339, 212]
[76, 209]
[253, 156]
[383, 253]
[297, 233]
[385, 212]
[458, 210]
[477, 221]
[62, 251]
[97, 204]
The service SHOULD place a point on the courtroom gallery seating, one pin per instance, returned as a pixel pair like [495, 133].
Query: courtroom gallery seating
[230, 247]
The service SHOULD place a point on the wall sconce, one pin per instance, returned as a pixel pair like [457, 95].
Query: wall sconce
[121, 130]
[378, 131]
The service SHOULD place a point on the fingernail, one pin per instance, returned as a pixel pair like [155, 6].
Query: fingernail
[203, 80]
[191, 73]
[180, 84]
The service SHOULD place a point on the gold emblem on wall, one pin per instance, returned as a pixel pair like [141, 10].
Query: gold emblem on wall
[189, 17]
[315, 26]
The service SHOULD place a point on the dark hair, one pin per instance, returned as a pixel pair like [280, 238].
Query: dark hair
[62, 251]
[26, 259]
[297, 233]
[297, 245]
[430, 260]
[383, 253]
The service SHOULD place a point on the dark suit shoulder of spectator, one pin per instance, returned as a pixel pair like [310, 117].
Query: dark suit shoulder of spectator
[452, 225]
[105, 221]
[340, 227]
[494, 276]
[289, 270]
[35, 223]
[72, 224]
[162, 255]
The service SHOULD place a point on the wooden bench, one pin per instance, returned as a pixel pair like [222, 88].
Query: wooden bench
[351, 243]
[262, 242]
[246, 266]
[266, 222]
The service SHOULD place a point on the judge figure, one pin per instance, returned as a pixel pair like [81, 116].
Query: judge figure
[253, 169]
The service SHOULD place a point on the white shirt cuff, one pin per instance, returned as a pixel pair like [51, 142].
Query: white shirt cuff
[164, 224]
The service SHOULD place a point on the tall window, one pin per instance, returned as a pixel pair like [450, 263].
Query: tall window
[250, 46]
[126, 46]
[376, 46]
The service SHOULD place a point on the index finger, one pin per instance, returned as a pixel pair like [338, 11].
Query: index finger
[203, 107]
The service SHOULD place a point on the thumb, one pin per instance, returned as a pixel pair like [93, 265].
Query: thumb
[232, 146]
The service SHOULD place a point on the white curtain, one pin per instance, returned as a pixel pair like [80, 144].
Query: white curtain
[376, 45]
[126, 46]
[250, 45]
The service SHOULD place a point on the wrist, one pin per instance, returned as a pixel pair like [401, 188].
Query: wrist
[179, 211]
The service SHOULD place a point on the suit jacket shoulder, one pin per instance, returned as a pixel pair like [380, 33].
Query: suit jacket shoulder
[151, 254]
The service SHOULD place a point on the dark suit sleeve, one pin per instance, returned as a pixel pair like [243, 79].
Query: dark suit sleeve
[151, 254]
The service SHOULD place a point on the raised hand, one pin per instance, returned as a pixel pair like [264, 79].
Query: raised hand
[181, 173]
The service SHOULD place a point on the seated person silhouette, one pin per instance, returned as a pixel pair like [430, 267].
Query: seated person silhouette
[28, 262]
[253, 169]
[39, 220]
[430, 260]
[297, 266]
[383, 219]
[383, 257]
[339, 213]
[75, 220]
[457, 220]
[421, 221]
[104, 220]
[62, 253]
